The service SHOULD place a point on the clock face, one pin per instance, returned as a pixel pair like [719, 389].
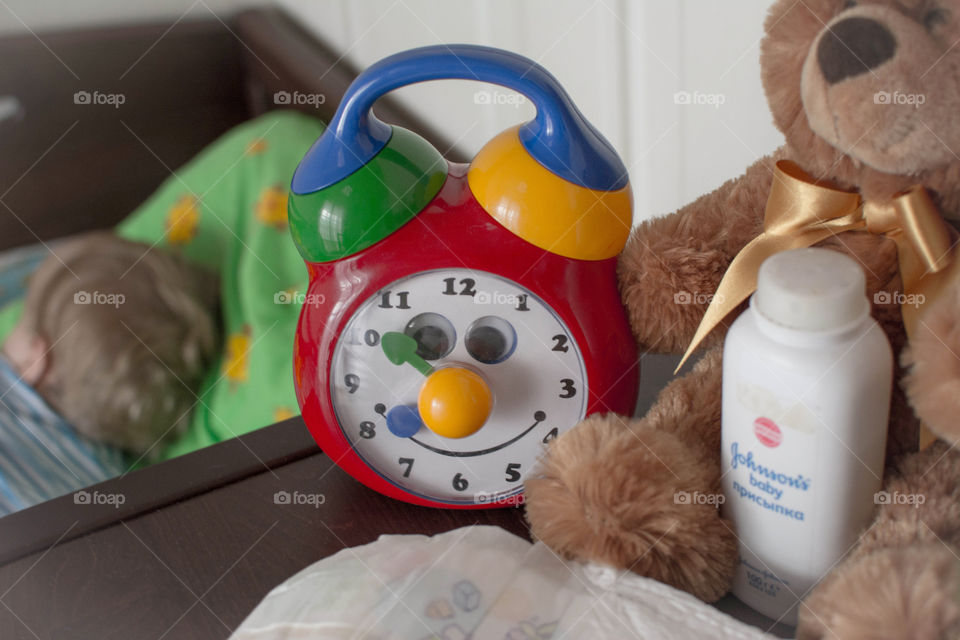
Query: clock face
[475, 356]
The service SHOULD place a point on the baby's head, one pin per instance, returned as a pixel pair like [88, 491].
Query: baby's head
[116, 337]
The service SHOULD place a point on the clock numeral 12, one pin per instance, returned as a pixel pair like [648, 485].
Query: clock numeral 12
[467, 287]
[402, 297]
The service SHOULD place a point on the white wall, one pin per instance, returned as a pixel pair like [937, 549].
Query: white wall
[623, 61]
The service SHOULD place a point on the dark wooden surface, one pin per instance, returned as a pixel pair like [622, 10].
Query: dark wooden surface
[199, 540]
[60, 520]
[197, 567]
[67, 167]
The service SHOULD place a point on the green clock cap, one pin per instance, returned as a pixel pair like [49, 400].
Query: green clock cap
[370, 203]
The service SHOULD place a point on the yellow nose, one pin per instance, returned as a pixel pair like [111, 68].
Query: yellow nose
[454, 402]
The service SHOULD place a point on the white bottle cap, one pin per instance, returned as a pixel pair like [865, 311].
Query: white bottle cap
[811, 290]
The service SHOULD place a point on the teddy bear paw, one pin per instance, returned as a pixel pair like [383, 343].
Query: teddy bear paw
[892, 594]
[635, 498]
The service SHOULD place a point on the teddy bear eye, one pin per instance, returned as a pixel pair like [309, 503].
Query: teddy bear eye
[934, 17]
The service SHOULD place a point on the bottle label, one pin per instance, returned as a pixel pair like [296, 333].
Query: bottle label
[765, 486]
[757, 577]
[767, 432]
[769, 441]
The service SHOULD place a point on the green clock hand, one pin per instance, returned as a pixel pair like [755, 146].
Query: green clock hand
[401, 348]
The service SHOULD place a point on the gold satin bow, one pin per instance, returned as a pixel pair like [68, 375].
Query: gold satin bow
[800, 213]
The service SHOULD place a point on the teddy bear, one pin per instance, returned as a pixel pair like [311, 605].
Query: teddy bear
[865, 94]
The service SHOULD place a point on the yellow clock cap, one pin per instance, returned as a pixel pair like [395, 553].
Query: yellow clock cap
[545, 209]
[454, 402]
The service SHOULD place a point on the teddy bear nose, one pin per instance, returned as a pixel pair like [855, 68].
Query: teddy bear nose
[854, 46]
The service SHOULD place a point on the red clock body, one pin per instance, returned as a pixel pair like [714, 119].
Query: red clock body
[453, 233]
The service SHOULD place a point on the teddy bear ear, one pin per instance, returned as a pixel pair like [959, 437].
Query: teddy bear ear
[933, 360]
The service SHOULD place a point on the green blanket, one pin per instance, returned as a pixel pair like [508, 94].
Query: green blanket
[227, 210]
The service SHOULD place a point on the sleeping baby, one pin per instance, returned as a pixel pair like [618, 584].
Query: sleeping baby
[103, 366]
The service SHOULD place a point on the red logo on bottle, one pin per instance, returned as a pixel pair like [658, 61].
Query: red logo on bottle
[767, 432]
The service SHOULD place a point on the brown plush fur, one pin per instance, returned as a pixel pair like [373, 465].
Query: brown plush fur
[934, 385]
[587, 503]
[606, 489]
[900, 581]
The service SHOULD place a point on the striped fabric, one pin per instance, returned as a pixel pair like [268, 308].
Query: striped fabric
[41, 456]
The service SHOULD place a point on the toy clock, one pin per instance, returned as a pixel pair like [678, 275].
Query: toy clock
[458, 317]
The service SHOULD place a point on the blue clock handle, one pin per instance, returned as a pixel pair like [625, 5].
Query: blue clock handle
[559, 137]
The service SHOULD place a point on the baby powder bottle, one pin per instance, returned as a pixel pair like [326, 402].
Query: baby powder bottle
[807, 375]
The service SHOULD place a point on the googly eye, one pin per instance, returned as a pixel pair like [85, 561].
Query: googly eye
[434, 334]
[490, 340]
